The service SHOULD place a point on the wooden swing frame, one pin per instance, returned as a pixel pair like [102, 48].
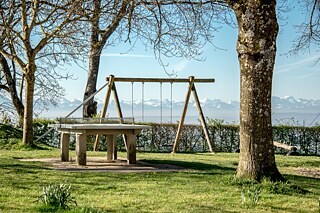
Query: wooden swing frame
[191, 80]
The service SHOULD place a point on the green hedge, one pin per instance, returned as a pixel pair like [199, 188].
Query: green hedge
[224, 138]
[11, 136]
[160, 137]
[9, 131]
[306, 139]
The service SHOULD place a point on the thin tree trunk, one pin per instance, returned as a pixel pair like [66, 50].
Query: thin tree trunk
[28, 111]
[17, 102]
[90, 108]
[256, 46]
[97, 42]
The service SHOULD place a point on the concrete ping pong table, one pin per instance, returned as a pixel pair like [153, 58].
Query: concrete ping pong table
[110, 130]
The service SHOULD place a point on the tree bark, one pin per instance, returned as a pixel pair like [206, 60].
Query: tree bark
[256, 47]
[17, 102]
[90, 108]
[98, 39]
[28, 112]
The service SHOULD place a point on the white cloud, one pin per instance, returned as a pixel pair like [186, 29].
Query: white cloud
[288, 67]
[179, 67]
[311, 73]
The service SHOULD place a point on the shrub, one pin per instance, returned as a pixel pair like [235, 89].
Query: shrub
[11, 143]
[40, 126]
[281, 187]
[9, 131]
[235, 181]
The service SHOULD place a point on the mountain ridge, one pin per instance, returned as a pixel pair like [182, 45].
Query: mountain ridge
[285, 104]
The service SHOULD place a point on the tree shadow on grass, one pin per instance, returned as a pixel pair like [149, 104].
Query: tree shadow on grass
[304, 181]
[192, 165]
[25, 168]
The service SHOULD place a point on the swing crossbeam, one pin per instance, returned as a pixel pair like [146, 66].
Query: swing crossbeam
[191, 80]
[160, 80]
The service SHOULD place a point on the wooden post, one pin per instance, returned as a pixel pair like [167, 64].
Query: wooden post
[201, 116]
[118, 107]
[107, 98]
[64, 146]
[175, 145]
[81, 149]
[111, 147]
[104, 110]
[131, 148]
[117, 103]
[115, 148]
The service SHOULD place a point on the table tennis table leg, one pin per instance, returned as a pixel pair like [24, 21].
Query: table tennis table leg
[131, 149]
[64, 146]
[111, 147]
[81, 149]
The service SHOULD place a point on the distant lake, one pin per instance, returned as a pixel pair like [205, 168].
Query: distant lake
[228, 116]
[302, 119]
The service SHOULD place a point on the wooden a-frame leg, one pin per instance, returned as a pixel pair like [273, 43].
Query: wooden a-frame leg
[175, 145]
[202, 119]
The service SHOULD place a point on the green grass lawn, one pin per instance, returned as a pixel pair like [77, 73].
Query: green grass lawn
[209, 187]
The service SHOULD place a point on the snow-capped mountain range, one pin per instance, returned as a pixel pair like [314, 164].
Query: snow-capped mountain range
[286, 104]
[288, 108]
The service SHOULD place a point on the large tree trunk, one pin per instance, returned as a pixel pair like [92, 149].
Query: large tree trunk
[28, 110]
[11, 84]
[256, 46]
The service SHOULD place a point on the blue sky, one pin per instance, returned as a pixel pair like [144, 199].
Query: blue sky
[296, 76]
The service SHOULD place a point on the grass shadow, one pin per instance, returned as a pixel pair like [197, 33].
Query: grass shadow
[304, 181]
[191, 165]
[23, 168]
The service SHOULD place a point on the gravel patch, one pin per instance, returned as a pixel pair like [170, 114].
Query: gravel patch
[100, 164]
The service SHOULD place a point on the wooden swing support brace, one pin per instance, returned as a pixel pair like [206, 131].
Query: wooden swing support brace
[111, 88]
[192, 89]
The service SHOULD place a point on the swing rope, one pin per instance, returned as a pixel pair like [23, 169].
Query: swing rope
[142, 101]
[132, 100]
[161, 102]
[171, 103]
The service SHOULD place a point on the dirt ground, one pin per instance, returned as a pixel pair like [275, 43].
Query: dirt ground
[99, 164]
[308, 172]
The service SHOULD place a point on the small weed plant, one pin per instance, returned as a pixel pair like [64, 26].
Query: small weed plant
[250, 196]
[57, 196]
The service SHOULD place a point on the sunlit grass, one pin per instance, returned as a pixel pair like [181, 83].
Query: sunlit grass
[209, 185]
